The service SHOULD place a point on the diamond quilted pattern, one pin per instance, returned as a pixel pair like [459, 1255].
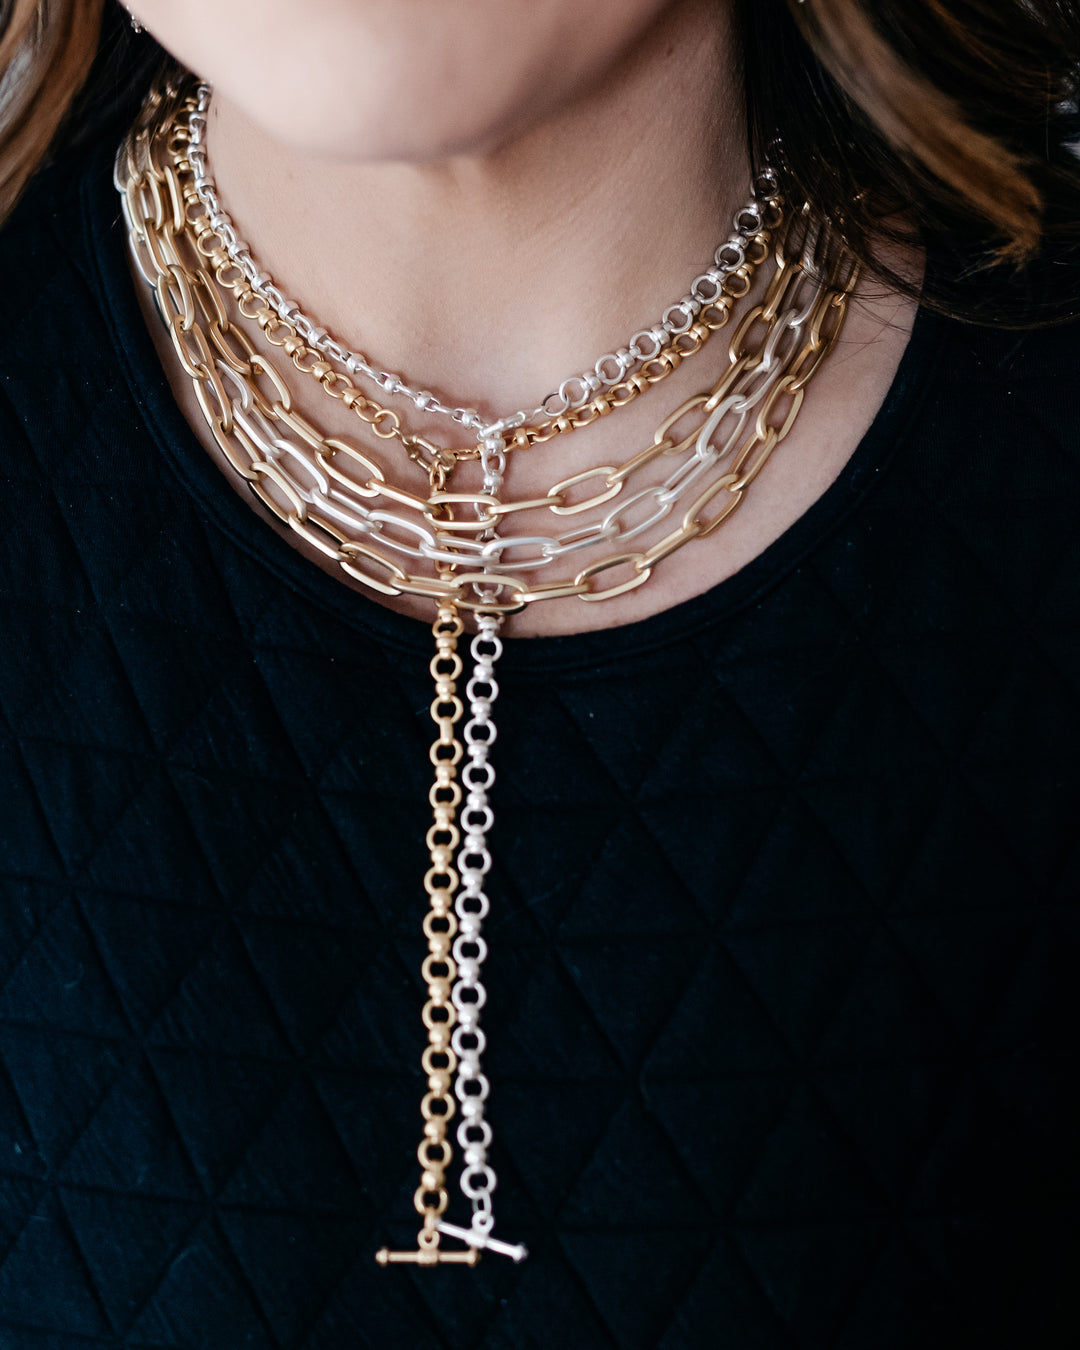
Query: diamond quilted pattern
[784, 946]
[44, 1280]
[155, 1163]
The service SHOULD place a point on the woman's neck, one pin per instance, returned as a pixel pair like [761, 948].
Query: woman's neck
[489, 278]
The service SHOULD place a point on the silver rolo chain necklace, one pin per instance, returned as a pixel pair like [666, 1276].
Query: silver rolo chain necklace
[574, 392]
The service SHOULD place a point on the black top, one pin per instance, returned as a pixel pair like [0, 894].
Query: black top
[783, 943]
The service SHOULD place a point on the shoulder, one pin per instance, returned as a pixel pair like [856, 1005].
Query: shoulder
[1031, 327]
[47, 242]
[1037, 369]
[60, 260]
[1011, 389]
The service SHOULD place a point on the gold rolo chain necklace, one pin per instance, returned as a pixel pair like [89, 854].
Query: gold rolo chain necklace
[609, 526]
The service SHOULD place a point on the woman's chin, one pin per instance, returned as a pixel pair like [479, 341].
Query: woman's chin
[417, 81]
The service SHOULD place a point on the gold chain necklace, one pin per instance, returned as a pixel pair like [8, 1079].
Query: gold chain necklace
[615, 378]
[461, 550]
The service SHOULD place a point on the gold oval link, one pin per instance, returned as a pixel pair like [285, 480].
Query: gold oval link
[174, 223]
[222, 415]
[208, 298]
[176, 301]
[242, 466]
[638, 461]
[553, 590]
[687, 406]
[671, 543]
[162, 250]
[135, 194]
[352, 549]
[464, 499]
[486, 582]
[403, 497]
[197, 365]
[738, 345]
[764, 449]
[724, 384]
[264, 469]
[320, 534]
[784, 278]
[783, 388]
[690, 519]
[332, 447]
[290, 418]
[430, 588]
[603, 471]
[227, 341]
[260, 365]
[641, 575]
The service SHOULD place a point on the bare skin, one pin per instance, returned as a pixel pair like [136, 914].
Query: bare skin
[490, 271]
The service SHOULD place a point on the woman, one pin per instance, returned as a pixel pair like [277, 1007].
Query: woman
[747, 980]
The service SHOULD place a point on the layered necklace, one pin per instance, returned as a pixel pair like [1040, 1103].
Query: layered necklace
[603, 530]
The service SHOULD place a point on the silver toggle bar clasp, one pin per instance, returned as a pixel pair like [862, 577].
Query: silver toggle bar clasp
[475, 1238]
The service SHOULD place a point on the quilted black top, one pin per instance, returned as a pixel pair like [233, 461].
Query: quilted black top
[784, 943]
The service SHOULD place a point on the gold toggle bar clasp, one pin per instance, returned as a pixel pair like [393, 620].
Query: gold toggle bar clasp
[427, 1256]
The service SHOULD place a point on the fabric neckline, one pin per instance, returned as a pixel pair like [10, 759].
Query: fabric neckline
[196, 472]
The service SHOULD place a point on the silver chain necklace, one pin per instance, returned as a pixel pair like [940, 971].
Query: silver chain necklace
[574, 392]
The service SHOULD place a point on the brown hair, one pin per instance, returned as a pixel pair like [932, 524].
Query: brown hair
[46, 51]
[944, 123]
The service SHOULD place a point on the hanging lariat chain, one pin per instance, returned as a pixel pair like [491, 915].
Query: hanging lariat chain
[440, 928]
[471, 1085]
[456, 951]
